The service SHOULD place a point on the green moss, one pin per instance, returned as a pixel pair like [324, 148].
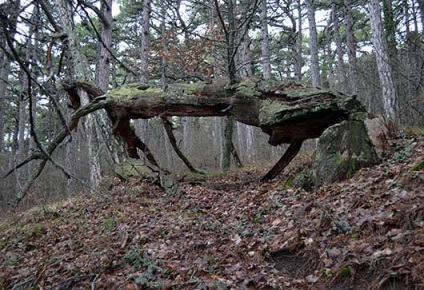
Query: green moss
[345, 271]
[109, 223]
[133, 90]
[342, 150]
[358, 116]
[306, 92]
[355, 236]
[270, 112]
[418, 167]
[247, 88]
[188, 89]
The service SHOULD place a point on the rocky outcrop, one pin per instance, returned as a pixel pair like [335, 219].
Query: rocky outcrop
[347, 147]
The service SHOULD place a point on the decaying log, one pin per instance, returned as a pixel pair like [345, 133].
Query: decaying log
[288, 112]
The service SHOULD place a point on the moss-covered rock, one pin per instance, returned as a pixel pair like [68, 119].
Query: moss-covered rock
[342, 150]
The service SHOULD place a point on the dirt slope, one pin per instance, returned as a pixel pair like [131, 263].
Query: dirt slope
[229, 233]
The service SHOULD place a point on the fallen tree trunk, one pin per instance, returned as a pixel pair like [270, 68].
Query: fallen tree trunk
[287, 112]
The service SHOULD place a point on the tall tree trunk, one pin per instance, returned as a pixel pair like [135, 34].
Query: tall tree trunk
[313, 44]
[330, 67]
[351, 47]
[266, 64]
[102, 75]
[299, 41]
[104, 46]
[80, 67]
[383, 66]
[421, 5]
[10, 11]
[339, 49]
[4, 76]
[145, 42]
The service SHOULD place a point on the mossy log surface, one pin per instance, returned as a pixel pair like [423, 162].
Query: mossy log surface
[287, 112]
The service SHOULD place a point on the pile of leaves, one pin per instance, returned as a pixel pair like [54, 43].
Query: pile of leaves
[229, 232]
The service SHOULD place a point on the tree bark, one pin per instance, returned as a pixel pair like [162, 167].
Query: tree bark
[313, 44]
[421, 5]
[4, 76]
[383, 66]
[351, 48]
[228, 143]
[10, 13]
[288, 156]
[339, 49]
[104, 46]
[79, 66]
[299, 42]
[266, 64]
[145, 42]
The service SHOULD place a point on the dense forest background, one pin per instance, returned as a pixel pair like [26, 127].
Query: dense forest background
[374, 49]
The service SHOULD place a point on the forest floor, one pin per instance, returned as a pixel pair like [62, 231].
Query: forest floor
[229, 231]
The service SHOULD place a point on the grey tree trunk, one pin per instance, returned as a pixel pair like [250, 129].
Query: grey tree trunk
[421, 5]
[383, 66]
[330, 67]
[339, 49]
[313, 44]
[4, 76]
[299, 39]
[81, 69]
[11, 10]
[104, 46]
[266, 64]
[102, 76]
[351, 48]
[228, 141]
[145, 41]
[25, 141]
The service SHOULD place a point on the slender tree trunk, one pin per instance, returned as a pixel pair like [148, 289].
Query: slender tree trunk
[339, 49]
[330, 67]
[102, 75]
[383, 66]
[313, 44]
[421, 5]
[390, 31]
[80, 67]
[299, 39]
[11, 10]
[145, 42]
[25, 141]
[104, 46]
[4, 76]
[228, 143]
[266, 64]
[351, 47]
[406, 17]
